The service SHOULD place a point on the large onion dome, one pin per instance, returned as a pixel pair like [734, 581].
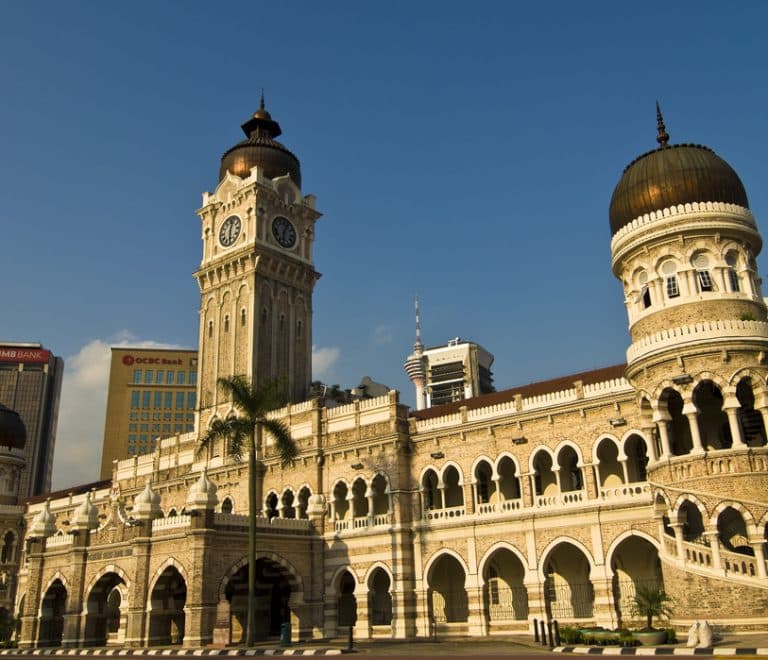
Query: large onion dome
[13, 433]
[260, 148]
[670, 175]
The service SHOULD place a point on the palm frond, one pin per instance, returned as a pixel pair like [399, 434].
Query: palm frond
[241, 391]
[234, 430]
[269, 396]
[285, 444]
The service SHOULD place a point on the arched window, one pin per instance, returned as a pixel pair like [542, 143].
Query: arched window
[243, 316]
[703, 276]
[7, 552]
[226, 323]
[271, 507]
[431, 490]
[732, 261]
[645, 293]
[226, 505]
[210, 328]
[669, 271]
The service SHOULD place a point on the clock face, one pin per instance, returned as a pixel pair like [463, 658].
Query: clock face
[284, 232]
[229, 231]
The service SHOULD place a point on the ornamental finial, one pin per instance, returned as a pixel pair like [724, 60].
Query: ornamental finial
[662, 137]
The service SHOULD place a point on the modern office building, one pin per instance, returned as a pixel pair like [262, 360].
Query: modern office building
[152, 394]
[30, 384]
[554, 500]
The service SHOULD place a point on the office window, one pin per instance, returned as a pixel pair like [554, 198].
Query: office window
[167, 417]
[158, 402]
[168, 399]
[170, 378]
[159, 376]
[133, 427]
[137, 375]
[155, 428]
[156, 416]
[144, 416]
[181, 377]
[148, 376]
[179, 417]
[133, 416]
[166, 428]
[191, 400]
[143, 438]
[134, 399]
[145, 397]
[179, 399]
[131, 437]
[193, 378]
[131, 449]
[190, 417]
[190, 427]
[144, 427]
[177, 428]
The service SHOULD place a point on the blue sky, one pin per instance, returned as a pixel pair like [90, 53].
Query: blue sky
[462, 152]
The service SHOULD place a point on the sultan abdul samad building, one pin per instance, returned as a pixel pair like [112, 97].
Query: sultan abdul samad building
[557, 499]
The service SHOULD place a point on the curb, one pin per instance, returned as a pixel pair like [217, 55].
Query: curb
[660, 650]
[168, 652]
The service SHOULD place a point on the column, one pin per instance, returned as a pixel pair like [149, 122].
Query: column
[758, 545]
[369, 497]
[557, 479]
[714, 546]
[596, 472]
[678, 529]
[732, 407]
[362, 625]
[662, 420]
[624, 469]
[692, 413]
[650, 442]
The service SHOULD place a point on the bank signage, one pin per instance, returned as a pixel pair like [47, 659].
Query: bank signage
[130, 360]
[13, 354]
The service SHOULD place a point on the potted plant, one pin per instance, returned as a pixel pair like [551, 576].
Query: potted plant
[650, 602]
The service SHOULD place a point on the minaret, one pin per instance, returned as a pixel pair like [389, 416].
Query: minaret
[414, 365]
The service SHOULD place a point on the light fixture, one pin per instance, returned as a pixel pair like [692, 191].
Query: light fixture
[357, 466]
[682, 379]
[618, 421]
[437, 454]
[520, 441]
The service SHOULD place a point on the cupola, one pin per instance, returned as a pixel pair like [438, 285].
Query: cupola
[260, 148]
[202, 493]
[13, 433]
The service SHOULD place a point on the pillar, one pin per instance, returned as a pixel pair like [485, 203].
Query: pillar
[758, 545]
[678, 528]
[662, 422]
[732, 407]
[714, 546]
[693, 423]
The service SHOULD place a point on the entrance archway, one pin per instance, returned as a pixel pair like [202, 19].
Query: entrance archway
[448, 597]
[166, 616]
[568, 591]
[505, 597]
[347, 606]
[379, 598]
[635, 564]
[273, 590]
[105, 621]
[52, 615]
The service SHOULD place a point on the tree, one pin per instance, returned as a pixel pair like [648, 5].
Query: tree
[651, 602]
[243, 432]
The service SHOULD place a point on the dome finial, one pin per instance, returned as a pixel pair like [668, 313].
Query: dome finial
[261, 104]
[418, 347]
[662, 137]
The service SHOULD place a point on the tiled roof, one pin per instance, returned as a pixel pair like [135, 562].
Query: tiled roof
[532, 389]
[75, 490]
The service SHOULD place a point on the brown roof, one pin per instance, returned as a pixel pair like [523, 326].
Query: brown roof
[75, 490]
[532, 389]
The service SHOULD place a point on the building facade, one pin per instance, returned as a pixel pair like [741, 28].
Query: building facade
[152, 394]
[556, 500]
[30, 384]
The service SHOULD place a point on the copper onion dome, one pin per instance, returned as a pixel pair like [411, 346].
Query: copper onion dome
[13, 433]
[670, 175]
[260, 148]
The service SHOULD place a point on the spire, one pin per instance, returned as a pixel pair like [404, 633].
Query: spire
[662, 136]
[418, 347]
[261, 104]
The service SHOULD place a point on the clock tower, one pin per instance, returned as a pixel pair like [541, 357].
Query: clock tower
[256, 276]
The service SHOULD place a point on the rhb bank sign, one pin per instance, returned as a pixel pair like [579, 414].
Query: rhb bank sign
[131, 360]
[13, 354]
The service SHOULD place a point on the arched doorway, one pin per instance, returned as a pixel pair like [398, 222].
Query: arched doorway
[448, 598]
[568, 591]
[273, 591]
[166, 616]
[105, 608]
[379, 598]
[635, 564]
[679, 429]
[751, 420]
[347, 603]
[713, 421]
[52, 615]
[505, 597]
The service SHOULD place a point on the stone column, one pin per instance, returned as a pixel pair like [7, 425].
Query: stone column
[72, 634]
[476, 620]
[662, 419]
[690, 411]
[602, 585]
[624, 469]
[678, 529]
[714, 546]
[362, 625]
[29, 631]
[528, 489]
[732, 407]
[137, 628]
[650, 442]
[758, 545]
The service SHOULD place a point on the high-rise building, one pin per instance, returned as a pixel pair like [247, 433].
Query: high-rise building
[152, 394]
[30, 384]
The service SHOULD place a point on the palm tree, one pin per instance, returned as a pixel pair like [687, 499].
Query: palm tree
[243, 432]
[650, 602]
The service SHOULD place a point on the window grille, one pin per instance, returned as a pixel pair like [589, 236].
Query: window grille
[705, 280]
[672, 290]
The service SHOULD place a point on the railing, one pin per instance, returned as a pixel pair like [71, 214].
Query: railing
[738, 564]
[174, 522]
[626, 492]
[505, 506]
[569, 498]
[507, 603]
[58, 540]
[363, 522]
[445, 514]
[570, 601]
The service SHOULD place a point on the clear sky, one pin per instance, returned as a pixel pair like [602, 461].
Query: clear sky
[464, 152]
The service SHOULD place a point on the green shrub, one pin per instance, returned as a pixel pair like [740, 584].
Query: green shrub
[671, 636]
[570, 635]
